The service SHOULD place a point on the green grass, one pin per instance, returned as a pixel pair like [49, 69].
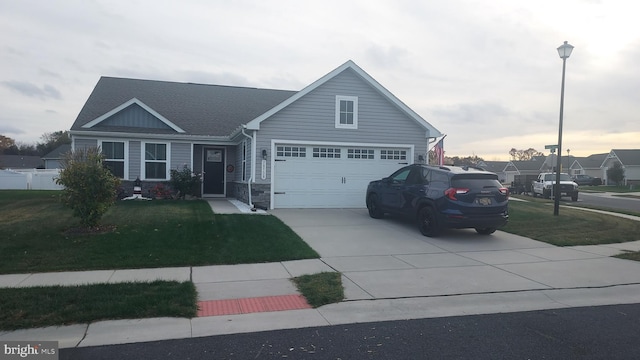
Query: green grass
[148, 234]
[534, 219]
[610, 188]
[634, 255]
[321, 289]
[57, 305]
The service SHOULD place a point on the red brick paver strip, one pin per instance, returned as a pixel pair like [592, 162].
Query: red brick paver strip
[252, 305]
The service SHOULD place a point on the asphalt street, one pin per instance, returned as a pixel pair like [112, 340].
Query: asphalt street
[604, 332]
[612, 202]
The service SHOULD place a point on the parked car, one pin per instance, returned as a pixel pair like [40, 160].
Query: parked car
[587, 180]
[441, 197]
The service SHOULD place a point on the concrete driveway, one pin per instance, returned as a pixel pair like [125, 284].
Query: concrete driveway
[390, 259]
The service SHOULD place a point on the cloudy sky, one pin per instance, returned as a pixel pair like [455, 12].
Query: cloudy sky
[484, 72]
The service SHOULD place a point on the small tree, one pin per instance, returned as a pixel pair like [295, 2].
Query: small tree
[185, 182]
[616, 173]
[89, 187]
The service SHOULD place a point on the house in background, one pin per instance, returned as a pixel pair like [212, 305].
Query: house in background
[498, 167]
[52, 160]
[630, 161]
[313, 148]
[590, 165]
[534, 166]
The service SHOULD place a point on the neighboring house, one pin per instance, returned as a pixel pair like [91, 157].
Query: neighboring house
[20, 162]
[498, 167]
[526, 167]
[589, 165]
[313, 148]
[630, 161]
[52, 159]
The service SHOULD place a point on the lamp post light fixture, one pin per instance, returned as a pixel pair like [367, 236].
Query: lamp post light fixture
[564, 51]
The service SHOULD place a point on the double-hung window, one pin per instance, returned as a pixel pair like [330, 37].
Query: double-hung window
[155, 161]
[114, 157]
[346, 112]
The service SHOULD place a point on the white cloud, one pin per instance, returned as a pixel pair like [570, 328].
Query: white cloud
[486, 73]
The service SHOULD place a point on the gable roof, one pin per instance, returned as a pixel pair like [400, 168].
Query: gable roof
[527, 165]
[349, 65]
[58, 152]
[628, 157]
[592, 161]
[187, 108]
[494, 166]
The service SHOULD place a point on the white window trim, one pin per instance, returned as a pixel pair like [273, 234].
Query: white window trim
[354, 99]
[143, 169]
[126, 154]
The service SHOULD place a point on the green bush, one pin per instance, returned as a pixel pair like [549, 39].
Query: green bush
[185, 182]
[89, 187]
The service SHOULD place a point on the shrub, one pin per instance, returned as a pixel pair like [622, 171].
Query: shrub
[185, 182]
[89, 187]
[616, 173]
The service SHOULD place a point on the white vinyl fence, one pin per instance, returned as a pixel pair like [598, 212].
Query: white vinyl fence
[29, 179]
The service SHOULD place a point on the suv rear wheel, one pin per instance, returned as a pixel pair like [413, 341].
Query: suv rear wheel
[428, 222]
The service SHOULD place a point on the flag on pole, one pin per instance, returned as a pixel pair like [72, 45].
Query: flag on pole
[438, 149]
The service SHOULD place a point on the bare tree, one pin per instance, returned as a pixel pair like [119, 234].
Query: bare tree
[524, 155]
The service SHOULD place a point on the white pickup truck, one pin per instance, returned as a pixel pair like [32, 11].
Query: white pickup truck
[545, 182]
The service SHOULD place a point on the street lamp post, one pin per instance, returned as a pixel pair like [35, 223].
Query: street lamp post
[568, 162]
[564, 51]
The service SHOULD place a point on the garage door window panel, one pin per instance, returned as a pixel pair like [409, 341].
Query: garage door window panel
[331, 153]
[291, 151]
[393, 154]
[366, 154]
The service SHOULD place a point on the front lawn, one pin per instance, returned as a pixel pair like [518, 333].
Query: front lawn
[609, 188]
[57, 305]
[534, 219]
[38, 236]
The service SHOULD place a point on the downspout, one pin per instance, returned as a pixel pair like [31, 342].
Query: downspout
[253, 208]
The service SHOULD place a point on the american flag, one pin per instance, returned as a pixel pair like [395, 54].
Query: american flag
[438, 149]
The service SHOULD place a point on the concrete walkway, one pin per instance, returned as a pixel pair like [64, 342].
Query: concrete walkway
[390, 272]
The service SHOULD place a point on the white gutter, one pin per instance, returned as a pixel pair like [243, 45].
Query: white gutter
[253, 208]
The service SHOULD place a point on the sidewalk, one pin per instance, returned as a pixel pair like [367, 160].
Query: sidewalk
[411, 277]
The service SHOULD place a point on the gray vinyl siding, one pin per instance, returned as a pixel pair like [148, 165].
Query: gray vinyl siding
[312, 118]
[180, 156]
[85, 143]
[134, 116]
[135, 162]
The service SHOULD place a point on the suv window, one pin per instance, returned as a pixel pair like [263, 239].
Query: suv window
[401, 176]
[475, 183]
[439, 178]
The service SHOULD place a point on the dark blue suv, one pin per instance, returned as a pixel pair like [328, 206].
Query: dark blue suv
[442, 197]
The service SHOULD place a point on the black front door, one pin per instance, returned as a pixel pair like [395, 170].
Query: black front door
[213, 178]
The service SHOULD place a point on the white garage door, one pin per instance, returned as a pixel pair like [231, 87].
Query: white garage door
[311, 176]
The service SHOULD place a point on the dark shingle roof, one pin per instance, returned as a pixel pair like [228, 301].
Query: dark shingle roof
[494, 166]
[592, 161]
[20, 162]
[628, 157]
[58, 152]
[198, 109]
[528, 165]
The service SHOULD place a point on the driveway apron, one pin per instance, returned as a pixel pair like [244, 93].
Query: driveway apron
[389, 258]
